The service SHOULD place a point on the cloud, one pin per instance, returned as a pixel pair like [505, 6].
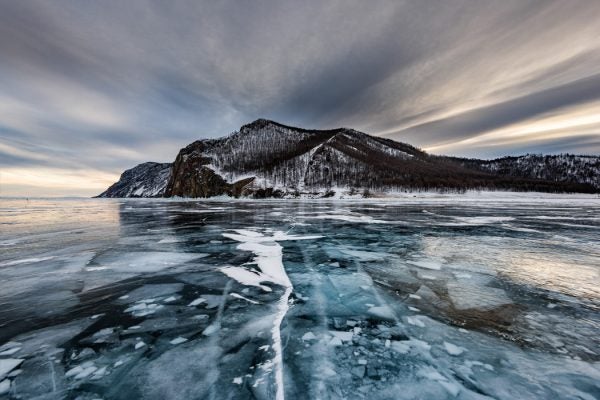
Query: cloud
[480, 120]
[102, 86]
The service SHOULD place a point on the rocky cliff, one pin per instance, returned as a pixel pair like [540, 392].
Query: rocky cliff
[145, 180]
[191, 176]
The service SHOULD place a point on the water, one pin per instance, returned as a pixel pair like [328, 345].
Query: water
[420, 298]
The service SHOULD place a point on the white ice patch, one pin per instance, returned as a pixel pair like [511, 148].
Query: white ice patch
[382, 311]
[239, 296]
[139, 345]
[342, 335]
[400, 347]
[178, 340]
[365, 219]
[466, 296]
[196, 302]
[211, 329]
[169, 240]
[4, 387]
[404, 346]
[269, 261]
[482, 220]
[142, 309]
[25, 261]
[148, 261]
[268, 258]
[10, 352]
[453, 349]
[416, 321]
[7, 365]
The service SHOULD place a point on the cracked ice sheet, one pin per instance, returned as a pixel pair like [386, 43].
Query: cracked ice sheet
[386, 358]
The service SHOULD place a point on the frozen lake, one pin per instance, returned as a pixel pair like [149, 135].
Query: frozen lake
[416, 298]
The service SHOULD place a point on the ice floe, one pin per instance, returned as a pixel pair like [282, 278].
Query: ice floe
[197, 302]
[178, 340]
[8, 364]
[465, 295]
[453, 349]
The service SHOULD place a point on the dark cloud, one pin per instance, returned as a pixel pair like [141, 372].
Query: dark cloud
[101, 86]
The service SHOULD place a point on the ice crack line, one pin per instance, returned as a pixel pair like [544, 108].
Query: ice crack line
[269, 260]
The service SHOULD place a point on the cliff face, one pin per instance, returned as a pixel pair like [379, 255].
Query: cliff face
[145, 180]
[267, 159]
[191, 177]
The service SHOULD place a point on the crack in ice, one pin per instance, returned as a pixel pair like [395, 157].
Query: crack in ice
[269, 260]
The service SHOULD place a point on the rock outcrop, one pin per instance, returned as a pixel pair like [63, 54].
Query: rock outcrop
[191, 176]
[145, 180]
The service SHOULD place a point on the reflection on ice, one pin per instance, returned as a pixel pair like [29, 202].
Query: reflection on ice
[427, 298]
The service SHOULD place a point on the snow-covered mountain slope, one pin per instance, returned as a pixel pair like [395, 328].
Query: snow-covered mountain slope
[287, 158]
[560, 168]
[145, 180]
[265, 158]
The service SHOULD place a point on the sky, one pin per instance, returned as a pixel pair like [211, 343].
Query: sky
[90, 88]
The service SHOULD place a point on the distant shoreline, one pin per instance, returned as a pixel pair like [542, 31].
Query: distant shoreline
[431, 195]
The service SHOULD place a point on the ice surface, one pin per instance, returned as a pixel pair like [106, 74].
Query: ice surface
[268, 259]
[481, 296]
[428, 264]
[453, 349]
[247, 277]
[483, 220]
[178, 340]
[10, 352]
[342, 335]
[4, 386]
[25, 261]
[351, 218]
[144, 262]
[7, 365]
[139, 345]
[197, 301]
[469, 296]
[239, 296]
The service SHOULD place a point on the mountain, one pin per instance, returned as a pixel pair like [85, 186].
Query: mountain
[145, 180]
[561, 168]
[268, 159]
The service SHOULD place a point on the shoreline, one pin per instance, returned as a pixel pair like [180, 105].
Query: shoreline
[388, 196]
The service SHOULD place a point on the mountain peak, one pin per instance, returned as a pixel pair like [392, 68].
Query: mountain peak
[258, 123]
[263, 123]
